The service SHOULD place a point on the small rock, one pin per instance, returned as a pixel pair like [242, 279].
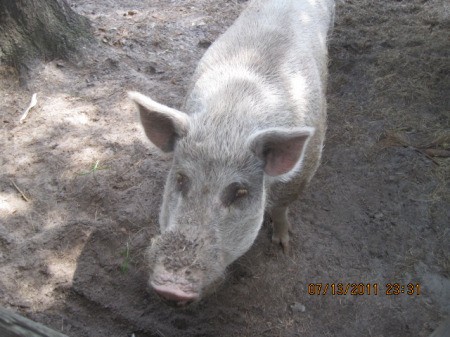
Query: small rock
[297, 307]
[378, 215]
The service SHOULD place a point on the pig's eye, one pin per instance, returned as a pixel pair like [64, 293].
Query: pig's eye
[234, 193]
[182, 182]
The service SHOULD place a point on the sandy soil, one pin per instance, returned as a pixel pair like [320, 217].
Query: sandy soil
[377, 212]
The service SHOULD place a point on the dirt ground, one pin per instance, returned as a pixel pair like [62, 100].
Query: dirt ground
[71, 240]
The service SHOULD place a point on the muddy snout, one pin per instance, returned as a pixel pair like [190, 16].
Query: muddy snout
[182, 269]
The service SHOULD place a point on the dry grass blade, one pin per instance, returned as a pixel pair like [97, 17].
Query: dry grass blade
[20, 191]
[437, 153]
[396, 138]
[27, 110]
[393, 138]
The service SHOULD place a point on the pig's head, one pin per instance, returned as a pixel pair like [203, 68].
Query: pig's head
[215, 194]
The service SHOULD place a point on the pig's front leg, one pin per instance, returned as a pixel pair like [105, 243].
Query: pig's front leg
[281, 227]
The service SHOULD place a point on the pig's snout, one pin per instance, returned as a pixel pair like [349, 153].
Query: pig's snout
[182, 269]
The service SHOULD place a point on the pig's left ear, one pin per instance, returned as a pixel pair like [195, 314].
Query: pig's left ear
[280, 149]
[162, 125]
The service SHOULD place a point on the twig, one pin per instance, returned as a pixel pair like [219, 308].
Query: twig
[437, 152]
[27, 110]
[20, 191]
[426, 155]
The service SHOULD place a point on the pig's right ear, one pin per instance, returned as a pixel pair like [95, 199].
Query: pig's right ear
[162, 125]
[280, 149]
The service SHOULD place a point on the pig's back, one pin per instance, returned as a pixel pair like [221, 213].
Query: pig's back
[279, 46]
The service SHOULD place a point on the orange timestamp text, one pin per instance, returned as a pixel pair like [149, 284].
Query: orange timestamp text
[363, 289]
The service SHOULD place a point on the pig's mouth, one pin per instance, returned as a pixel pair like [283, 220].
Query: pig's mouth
[177, 294]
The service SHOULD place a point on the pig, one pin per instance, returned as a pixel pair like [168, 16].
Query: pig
[247, 140]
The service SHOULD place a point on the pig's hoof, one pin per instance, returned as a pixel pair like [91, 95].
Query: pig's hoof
[282, 240]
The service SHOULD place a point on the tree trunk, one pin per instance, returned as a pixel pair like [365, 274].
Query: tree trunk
[39, 29]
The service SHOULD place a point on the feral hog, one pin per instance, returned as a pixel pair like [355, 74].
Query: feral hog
[247, 139]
